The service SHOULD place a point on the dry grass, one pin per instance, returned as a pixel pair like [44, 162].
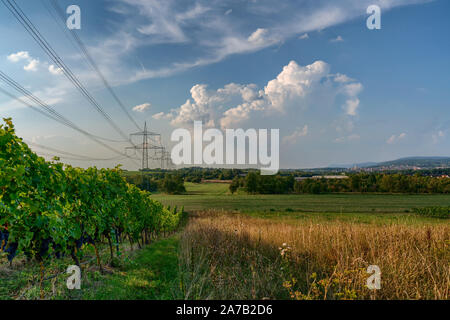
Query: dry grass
[226, 256]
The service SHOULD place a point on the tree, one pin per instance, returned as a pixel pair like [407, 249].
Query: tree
[251, 184]
[172, 184]
[234, 186]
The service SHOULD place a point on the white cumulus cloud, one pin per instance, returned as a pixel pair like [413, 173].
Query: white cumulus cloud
[161, 116]
[259, 37]
[142, 107]
[54, 70]
[16, 57]
[304, 36]
[342, 78]
[396, 138]
[351, 106]
[31, 63]
[296, 89]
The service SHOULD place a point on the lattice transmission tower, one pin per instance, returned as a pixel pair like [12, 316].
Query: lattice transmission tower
[151, 141]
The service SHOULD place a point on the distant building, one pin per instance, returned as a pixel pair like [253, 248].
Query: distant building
[321, 177]
[217, 181]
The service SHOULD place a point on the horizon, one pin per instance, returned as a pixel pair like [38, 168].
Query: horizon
[312, 168]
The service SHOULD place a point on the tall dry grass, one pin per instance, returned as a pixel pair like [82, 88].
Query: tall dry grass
[226, 256]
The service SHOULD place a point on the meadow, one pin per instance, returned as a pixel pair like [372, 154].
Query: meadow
[216, 196]
[227, 256]
[310, 246]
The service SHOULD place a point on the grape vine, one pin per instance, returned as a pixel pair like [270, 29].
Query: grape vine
[48, 209]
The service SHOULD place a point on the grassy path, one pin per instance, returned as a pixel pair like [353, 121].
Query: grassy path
[151, 274]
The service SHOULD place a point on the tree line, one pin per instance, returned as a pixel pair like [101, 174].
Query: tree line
[250, 181]
[360, 183]
[170, 183]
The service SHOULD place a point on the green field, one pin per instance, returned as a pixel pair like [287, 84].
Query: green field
[217, 196]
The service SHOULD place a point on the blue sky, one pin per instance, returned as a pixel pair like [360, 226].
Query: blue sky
[338, 92]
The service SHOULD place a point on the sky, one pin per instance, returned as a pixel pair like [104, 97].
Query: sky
[339, 92]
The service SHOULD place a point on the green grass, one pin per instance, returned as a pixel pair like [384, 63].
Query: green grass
[14, 281]
[215, 196]
[355, 217]
[152, 274]
[207, 188]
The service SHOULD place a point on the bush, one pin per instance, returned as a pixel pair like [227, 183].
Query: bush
[172, 184]
[434, 212]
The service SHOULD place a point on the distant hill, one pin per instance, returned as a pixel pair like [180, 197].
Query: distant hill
[359, 165]
[403, 163]
[420, 162]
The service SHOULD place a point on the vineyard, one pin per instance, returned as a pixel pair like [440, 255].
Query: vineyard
[49, 210]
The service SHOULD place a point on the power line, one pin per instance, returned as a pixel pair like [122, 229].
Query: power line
[77, 159]
[63, 28]
[89, 59]
[51, 113]
[26, 104]
[75, 128]
[77, 156]
[42, 42]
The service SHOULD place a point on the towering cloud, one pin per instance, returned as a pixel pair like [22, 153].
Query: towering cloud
[297, 89]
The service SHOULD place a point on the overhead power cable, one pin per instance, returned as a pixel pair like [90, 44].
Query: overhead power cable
[60, 12]
[49, 111]
[78, 159]
[43, 43]
[26, 104]
[75, 156]
[52, 113]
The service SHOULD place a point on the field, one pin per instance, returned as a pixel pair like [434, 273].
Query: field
[362, 207]
[310, 246]
[268, 247]
[240, 257]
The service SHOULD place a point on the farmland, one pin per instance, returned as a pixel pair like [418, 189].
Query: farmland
[269, 246]
[242, 257]
[310, 246]
[216, 196]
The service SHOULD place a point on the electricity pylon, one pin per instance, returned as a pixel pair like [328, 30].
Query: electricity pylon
[165, 158]
[150, 141]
